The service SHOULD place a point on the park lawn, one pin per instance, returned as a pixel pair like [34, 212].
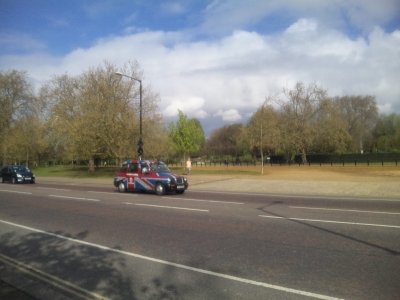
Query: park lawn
[276, 172]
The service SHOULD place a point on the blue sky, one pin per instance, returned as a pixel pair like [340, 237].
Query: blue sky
[215, 60]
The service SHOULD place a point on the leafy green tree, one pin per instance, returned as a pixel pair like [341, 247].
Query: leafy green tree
[184, 136]
[262, 132]
[386, 134]
[16, 101]
[96, 114]
[225, 140]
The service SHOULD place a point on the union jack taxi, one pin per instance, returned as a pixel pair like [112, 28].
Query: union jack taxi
[147, 175]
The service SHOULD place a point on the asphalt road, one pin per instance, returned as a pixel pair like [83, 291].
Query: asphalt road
[85, 242]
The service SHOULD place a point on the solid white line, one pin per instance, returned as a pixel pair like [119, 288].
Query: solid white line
[214, 201]
[74, 198]
[113, 193]
[43, 188]
[8, 191]
[202, 271]
[347, 210]
[169, 207]
[325, 221]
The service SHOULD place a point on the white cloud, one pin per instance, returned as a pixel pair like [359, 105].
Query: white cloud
[229, 77]
[230, 115]
[13, 40]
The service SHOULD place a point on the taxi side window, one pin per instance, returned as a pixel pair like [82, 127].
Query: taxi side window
[133, 168]
[145, 168]
[124, 168]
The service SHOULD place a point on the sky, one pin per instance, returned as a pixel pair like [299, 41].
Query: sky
[216, 60]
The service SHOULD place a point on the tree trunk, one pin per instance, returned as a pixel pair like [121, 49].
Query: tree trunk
[27, 159]
[303, 156]
[91, 164]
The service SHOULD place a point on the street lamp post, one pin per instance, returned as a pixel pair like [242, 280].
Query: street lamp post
[140, 142]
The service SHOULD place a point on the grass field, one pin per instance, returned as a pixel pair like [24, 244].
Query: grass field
[295, 172]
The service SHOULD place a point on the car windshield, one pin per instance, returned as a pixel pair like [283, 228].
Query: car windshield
[21, 169]
[160, 168]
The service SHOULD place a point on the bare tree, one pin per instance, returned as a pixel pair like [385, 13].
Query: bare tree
[361, 114]
[300, 109]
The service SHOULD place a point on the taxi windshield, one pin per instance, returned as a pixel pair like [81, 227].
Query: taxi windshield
[160, 168]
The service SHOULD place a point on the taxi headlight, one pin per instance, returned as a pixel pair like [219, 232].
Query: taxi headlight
[19, 175]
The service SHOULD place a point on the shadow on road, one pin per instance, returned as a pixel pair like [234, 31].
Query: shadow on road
[101, 271]
[388, 250]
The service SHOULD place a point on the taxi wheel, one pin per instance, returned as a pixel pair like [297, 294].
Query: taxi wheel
[13, 180]
[1, 180]
[121, 187]
[160, 189]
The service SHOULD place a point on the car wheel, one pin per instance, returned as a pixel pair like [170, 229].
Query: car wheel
[14, 180]
[33, 181]
[121, 187]
[180, 191]
[160, 189]
[1, 180]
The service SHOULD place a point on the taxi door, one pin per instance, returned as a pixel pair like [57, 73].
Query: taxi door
[131, 174]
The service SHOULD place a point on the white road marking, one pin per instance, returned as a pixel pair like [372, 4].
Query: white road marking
[55, 281]
[43, 188]
[347, 210]
[8, 191]
[214, 201]
[325, 221]
[121, 194]
[202, 271]
[73, 198]
[172, 207]
[333, 197]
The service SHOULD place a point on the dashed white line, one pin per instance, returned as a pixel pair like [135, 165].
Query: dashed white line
[43, 188]
[347, 210]
[8, 191]
[214, 201]
[120, 194]
[172, 207]
[74, 198]
[326, 221]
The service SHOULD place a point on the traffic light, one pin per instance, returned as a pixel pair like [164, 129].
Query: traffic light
[140, 151]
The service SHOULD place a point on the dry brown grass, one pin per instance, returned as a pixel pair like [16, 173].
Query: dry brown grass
[306, 173]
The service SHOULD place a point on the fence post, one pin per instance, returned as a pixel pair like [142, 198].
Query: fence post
[382, 162]
[355, 163]
[368, 162]
[343, 162]
[331, 163]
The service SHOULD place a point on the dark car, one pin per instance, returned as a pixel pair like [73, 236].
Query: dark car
[16, 174]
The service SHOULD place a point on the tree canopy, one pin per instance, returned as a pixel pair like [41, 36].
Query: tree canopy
[185, 136]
